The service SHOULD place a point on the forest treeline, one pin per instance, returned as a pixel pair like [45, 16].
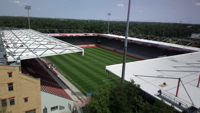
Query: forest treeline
[139, 29]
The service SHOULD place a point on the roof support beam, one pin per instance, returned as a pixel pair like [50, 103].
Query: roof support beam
[198, 82]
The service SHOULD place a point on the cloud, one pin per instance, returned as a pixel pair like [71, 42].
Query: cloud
[197, 3]
[38, 9]
[19, 2]
[140, 11]
[120, 5]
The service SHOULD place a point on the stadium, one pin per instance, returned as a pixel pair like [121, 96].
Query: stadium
[179, 67]
[70, 67]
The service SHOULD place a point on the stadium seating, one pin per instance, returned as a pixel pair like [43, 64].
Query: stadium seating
[48, 84]
[80, 40]
[139, 50]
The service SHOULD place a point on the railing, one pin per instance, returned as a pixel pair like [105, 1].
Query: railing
[174, 101]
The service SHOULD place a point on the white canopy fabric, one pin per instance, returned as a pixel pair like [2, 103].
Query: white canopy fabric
[163, 74]
[28, 44]
[71, 34]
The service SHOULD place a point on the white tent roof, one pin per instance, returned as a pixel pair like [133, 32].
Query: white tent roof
[28, 44]
[158, 43]
[152, 74]
[71, 34]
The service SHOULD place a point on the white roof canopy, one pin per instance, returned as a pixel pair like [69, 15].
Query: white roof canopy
[28, 44]
[158, 43]
[163, 74]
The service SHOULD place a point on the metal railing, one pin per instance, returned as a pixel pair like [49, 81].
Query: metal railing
[174, 101]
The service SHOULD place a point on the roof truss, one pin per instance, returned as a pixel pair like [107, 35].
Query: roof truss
[27, 44]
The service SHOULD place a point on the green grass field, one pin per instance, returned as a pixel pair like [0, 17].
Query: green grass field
[88, 72]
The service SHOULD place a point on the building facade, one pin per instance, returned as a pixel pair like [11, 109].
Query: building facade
[19, 93]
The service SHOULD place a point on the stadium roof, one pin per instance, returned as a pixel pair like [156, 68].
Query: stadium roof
[2, 52]
[157, 43]
[28, 44]
[165, 74]
[71, 34]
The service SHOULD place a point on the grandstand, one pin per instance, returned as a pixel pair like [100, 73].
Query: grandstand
[48, 84]
[139, 48]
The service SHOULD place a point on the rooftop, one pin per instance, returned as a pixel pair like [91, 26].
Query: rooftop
[28, 44]
[71, 34]
[2, 51]
[165, 74]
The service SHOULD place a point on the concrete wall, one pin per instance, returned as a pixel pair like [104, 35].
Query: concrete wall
[24, 86]
[49, 101]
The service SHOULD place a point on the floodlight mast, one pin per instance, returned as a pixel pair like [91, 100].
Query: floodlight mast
[28, 8]
[126, 42]
[109, 14]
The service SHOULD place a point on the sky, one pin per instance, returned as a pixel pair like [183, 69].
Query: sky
[175, 11]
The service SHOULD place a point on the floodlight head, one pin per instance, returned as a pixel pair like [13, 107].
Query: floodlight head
[27, 7]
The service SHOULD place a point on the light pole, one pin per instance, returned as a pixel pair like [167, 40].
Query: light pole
[28, 8]
[109, 14]
[126, 42]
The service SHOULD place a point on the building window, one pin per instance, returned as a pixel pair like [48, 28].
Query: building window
[26, 99]
[54, 108]
[12, 101]
[10, 86]
[3, 102]
[9, 74]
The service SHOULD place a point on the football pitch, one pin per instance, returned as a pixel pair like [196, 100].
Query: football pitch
[87, 72]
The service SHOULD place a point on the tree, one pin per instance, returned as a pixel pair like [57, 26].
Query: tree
[100, 101]
[124, 98]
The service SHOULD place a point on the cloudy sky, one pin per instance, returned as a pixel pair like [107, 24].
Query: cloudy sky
[184, 11]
